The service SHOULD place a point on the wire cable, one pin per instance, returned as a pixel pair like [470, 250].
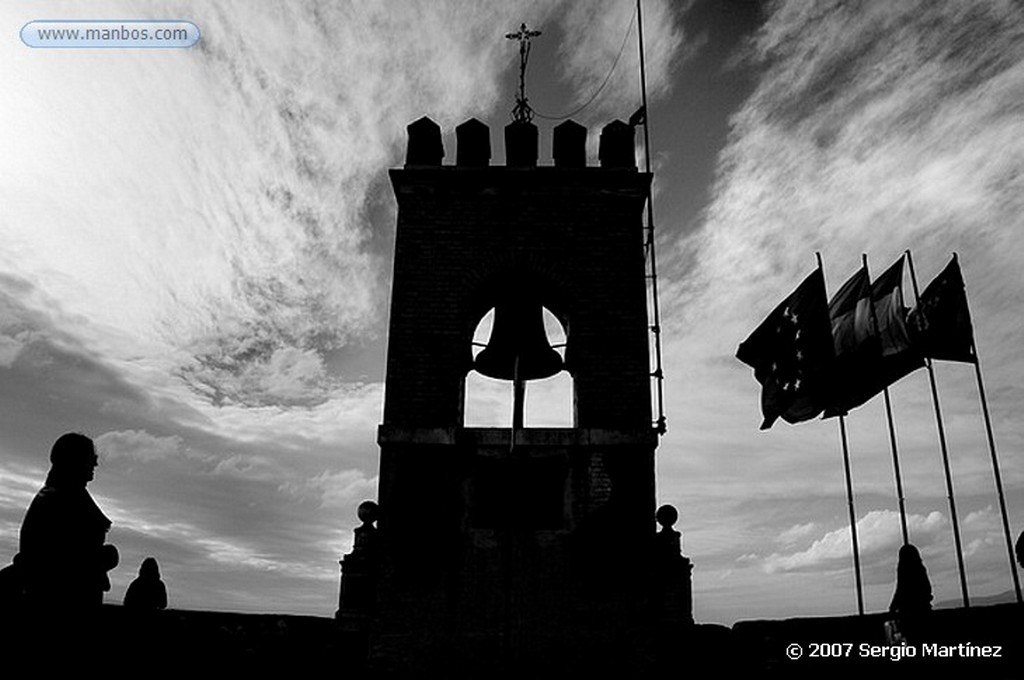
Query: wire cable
[608, 77]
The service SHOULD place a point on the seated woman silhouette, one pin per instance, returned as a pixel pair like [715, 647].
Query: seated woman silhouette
[147, 592]
[63, 558]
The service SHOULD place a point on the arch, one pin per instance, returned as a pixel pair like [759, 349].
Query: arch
[501, 276]
[487, 402]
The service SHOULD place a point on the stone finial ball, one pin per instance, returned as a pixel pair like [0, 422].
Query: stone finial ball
[666, 516]
[367, 512]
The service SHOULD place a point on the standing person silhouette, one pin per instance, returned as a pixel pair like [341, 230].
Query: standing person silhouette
[913, 588]
[147, 592]
[63, 555]
[912, 601]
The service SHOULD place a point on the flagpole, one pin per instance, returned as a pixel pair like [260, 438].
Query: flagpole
[995, 471]
[853, 515]
[901, 501]
[995, 464]
[658, 374]
[849, 494]
[945, 452]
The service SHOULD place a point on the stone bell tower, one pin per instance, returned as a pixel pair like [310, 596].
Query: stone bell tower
[516, 546]
[516, 549]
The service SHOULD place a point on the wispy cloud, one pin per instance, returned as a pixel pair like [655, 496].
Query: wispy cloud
[867, 125]
[137, 444]
[796, 533]
[335, 489]
[595, 37]
[227, 237]
[18, 487]
[878, 536]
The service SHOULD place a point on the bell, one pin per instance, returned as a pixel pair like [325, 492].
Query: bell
[518, 348]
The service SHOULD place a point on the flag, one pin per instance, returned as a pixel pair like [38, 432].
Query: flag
[849, 312]
[899, 356]
[940, 325]
[873, 349]
[791, 354]
[855, 340]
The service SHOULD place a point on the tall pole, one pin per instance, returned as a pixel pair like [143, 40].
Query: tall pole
[658, 373]
[853, 515]
[945, 453]
[995, 472]
[900, 500]
[849, 494]
[995, 468]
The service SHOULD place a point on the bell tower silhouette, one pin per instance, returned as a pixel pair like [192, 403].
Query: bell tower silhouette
[502, 548]
[516, 543]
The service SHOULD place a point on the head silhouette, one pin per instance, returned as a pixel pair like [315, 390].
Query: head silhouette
[909, 552]
[909, 561]
[73, 460]
[913, 587]
[1019, 548]
[149, 568]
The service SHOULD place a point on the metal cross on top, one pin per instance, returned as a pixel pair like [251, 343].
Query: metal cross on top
[522, 112]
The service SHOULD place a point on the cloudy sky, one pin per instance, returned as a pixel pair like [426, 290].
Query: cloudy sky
[195, 252]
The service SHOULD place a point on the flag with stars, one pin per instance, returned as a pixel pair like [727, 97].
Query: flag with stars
[791, 354]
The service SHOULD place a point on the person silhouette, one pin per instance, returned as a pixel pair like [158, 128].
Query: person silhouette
[913, 589]
[1019, 549]
[912, 600]
[63, 558]
[147, 592]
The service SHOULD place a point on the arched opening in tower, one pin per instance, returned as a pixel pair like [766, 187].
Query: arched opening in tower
[548, 401]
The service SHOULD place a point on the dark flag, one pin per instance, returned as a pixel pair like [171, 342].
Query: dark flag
[899, 357]
[791, 354]
[940, 325]
[855, 341]
[849, 311]
[871, 353]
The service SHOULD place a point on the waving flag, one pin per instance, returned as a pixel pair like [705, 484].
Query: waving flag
[855, 340]
[873, 348]
[940, 325]
[849, 311]
[899, 356]
[791, 354]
